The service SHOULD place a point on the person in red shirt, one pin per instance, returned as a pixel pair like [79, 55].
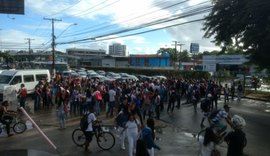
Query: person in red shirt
[22, 95]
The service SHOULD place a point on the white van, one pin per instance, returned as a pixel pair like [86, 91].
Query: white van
[29, 78]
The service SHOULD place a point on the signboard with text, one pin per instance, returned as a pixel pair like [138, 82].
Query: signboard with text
[194, 48]
[12, 6]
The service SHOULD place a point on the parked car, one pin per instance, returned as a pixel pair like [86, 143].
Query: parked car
[160, 77]
[101, 72]
[128, 77]
[113, 75]
[82, 74]
[144, 77]
[69, 73]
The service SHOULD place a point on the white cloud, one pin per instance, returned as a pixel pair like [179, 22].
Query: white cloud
[18, 38]
[123, 13]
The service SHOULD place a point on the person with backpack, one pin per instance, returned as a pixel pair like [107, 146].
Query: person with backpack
[88, 130]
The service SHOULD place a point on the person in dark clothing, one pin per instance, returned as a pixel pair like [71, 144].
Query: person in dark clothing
[6, 116]
[236, 139]
[172, 99]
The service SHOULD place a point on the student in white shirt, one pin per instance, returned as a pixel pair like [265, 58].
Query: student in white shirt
[132, 127]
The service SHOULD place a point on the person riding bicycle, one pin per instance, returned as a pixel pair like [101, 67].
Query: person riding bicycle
[89, 132]
[236, 139]
[6, 116]
[217, 116]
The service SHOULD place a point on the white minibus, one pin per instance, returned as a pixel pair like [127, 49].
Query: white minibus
[29, 78]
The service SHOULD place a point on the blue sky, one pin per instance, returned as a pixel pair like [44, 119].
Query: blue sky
[103, 17]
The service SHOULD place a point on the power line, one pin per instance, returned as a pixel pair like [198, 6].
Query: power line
[192, 13]
[132, 19]
[143, 32]
[99, 26]
[90, 9]
[61, 11]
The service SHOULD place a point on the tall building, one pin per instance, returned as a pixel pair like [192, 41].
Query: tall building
[117, 49]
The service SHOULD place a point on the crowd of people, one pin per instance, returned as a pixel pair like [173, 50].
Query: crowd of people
[129, 102]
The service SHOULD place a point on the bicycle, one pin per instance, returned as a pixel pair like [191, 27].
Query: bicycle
[16, 125]
[105, 140]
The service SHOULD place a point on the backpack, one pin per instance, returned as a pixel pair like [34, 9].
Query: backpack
[84, 122]
[205, 105]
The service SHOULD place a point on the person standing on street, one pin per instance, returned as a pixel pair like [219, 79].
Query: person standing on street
[226, 94]
[232, 90]
[112, 94]
[239, 91]
[61, 109]
[132, 127]
[22, 95]
[147, 135]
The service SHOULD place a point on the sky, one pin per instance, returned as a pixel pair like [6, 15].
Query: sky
[100, 23]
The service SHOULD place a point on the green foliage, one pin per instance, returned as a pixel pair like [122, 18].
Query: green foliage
[223, 75]
[243, 25]
[7, 57]
[151, 72]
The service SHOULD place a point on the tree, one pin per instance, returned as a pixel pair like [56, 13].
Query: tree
[243, 25]
[184, 56]
[7, 58]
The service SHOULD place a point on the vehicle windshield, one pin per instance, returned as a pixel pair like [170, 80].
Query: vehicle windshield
[5, 79]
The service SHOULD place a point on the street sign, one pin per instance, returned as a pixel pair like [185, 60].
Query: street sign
[12, 6]
[194, 47]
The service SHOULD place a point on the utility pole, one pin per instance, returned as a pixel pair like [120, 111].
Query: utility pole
[180, 44]
[29, 48]
[176, 43]
[53, 43]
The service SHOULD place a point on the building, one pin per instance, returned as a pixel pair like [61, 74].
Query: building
[214, 63]
[117, 49]
[115, 61]
[153, 60]
[89, 57]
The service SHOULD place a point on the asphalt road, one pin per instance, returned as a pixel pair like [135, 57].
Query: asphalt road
[256, 114]
[176, 139]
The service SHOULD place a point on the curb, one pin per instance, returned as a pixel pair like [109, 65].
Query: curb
[258, 99]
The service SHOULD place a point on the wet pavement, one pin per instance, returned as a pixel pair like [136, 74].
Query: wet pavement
[175, 132]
